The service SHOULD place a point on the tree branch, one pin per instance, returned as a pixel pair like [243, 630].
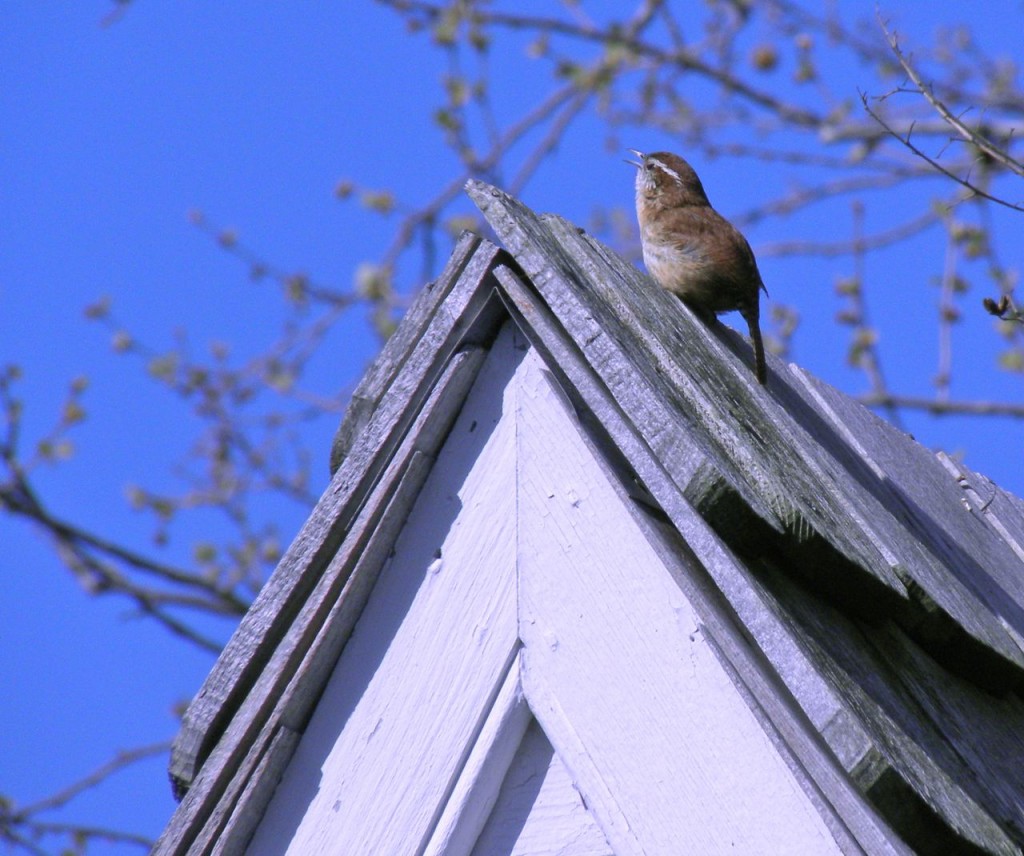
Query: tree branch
[13, 818]
[942, 408]
[905, 140]
[966, 133]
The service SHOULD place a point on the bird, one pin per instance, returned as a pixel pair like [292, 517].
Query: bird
[693, 251]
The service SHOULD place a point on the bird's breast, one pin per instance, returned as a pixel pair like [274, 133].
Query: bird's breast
[679, 267]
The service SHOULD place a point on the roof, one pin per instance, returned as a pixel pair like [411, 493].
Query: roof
[878, 587]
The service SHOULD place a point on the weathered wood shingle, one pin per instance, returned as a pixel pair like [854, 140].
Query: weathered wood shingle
[780, 453]
[872, 524]
[866, 595]
[439, 322]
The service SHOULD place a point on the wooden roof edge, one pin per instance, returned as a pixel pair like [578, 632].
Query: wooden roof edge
[390, 397]
[1001, 510]
[383, 415]
[972, 527]
[792, 680]
[293, 679]
[969, 813]
[799, 675]
[399, 345]
[791, 698]
[772, 451]
[656, 354]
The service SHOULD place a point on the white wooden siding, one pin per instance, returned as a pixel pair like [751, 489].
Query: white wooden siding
[424, 662]
[663, 747]
[539, 811]
[416, 743]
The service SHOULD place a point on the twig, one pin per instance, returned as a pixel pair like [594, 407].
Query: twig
[944, 372]
[22, 500]
[905, 140]
[966, 133]
[260, 268]
[869, 132]
[679, 58]
[802, 197]
[842, 248]
[92, 833]
[869, 359]
[14, 821]
[121, 760]
[550, 141]
[943, 408]
[407, 229]
[812, 158]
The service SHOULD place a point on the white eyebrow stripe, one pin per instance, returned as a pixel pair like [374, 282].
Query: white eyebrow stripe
[667, 169]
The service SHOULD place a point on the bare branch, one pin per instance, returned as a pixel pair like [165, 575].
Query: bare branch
[905, 140]
[21, 499]
[966, 133]
[942, 408]
[864, 348]
[295, 283]
[23, 827]
[429, 212]
[550, 141]
[802, 197]
[104, 771]
[831, 249]
[683, 59]
[947, 314]
[870, 132]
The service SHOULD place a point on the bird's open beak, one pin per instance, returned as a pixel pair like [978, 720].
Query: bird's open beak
[638, 164]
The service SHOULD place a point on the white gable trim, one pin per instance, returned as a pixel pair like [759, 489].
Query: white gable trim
[476, 790]
[376, 765]
[518, 538]
[615, 665]
[874, 682]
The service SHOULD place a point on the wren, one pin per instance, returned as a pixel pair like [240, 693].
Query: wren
[692, 250]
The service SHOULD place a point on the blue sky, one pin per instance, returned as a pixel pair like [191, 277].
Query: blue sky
[253, 114]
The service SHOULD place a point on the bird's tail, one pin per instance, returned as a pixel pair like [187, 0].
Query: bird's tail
[760, 364]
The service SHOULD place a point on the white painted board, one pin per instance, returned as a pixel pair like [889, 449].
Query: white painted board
[667, 753]
[539, 812]
[376, 763]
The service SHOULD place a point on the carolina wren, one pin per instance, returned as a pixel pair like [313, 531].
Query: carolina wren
[692, 250]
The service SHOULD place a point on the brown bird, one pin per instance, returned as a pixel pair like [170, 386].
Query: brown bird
[692, 250]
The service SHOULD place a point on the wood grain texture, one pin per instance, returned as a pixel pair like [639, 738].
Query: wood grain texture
[733, 605]
[242, 818]
[687, 768]
[876, 758]
[669, 755]
[1003, 511]
[929, 728]
[854, 602]
[969, 559]
[539, 811]
[674, 374]
[267, 620]
[223, 792]
[288, 683]
[426, 659]
[772, 445]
